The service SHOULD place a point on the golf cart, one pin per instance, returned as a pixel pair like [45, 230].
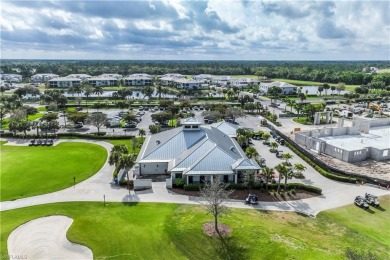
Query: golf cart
[372, 200]
[361, 202]
[252, 199]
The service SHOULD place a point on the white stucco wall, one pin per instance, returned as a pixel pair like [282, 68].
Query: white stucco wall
[153, 168]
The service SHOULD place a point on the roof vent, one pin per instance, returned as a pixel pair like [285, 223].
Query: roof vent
[158, 141]
[232, 148]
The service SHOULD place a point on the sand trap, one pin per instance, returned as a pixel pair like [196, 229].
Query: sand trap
[45, 238]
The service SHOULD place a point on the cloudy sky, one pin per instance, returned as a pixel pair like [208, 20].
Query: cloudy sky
[217, 30]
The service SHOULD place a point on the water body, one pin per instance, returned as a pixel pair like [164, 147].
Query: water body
[313, 90]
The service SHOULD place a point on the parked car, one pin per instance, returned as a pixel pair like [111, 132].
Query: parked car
[268, 143]
[122, 113]
[252, 199]
[372, 200]
[279, 154]
[361, 202]
[79, 108]
[129, 125]
[140, 108]
[146, 108]
[78, 125]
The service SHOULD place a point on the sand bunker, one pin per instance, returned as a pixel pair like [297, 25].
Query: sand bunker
[45, 238]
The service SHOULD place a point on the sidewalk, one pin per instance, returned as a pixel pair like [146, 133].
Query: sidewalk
[335, 194]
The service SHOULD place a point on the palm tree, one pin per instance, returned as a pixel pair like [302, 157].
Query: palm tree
[326, 87]
[287, 156]
[88, 90]
[98, 91]
[251, 152]
[241, 139]
[302, 97]
[290, 103]
[241, 131]
[267, 173]
[320, 89]
[274, 146]
[299, 168]
[141, 133]
[126, 162]
[115, 155]
[282, 169]
[266, 136]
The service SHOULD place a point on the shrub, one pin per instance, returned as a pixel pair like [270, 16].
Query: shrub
[272, 193]
[99, 133]
[282, 195]
[179, 183]
[293, 191]
[192, 187]
[319, 169]
[238, 186]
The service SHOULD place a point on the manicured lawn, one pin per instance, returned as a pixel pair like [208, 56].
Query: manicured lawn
[302, 120]
[167, 231]
[172, 122]
[29, 171]
[374, 222]
[5, 123]
[313, 83]
[132, 146]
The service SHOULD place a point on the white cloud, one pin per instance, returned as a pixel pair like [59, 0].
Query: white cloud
[196, 30]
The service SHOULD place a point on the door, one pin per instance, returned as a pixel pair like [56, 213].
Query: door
[202, 179]
[226, 178]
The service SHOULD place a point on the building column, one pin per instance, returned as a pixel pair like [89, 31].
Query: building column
[235, 178]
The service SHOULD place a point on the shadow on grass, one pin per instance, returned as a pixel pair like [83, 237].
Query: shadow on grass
[369, 210]
[226, 248]
[380, 208]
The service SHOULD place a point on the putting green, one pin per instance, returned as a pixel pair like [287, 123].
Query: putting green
[29, 171]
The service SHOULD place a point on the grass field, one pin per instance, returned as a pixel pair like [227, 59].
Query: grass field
[132, 146]
[313, 83]
[167, 231]
[5, 123]
[29, 171]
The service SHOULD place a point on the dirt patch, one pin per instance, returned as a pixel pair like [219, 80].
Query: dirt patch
[263, 196]
[209, 229]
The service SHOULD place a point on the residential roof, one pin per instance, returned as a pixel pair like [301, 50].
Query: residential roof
[65, 79]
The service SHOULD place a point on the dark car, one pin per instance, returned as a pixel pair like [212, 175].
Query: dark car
[372, 200]
[252, 199]
[267, 143]
[361, 202]
[279, 154]
[79, 108]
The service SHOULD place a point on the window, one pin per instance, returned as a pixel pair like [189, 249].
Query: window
[179, 175]
[187, 126]
[195, 126]
[385, 153]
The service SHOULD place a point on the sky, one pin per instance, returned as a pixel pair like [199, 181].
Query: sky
[195, 30]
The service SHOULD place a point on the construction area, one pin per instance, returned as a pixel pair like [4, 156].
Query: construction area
[366, 139]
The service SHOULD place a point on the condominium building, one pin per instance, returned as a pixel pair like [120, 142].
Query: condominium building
[43, 77]
[138, 80]
[64, 82]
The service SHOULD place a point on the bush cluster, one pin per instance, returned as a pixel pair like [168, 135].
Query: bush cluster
[319, 169]
[179, 183]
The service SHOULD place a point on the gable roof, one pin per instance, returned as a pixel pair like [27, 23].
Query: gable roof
[227, 128]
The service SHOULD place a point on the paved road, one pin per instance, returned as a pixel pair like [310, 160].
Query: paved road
[335, 194]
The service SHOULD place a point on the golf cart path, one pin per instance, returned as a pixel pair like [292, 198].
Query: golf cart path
[100, 186]
[45, 238]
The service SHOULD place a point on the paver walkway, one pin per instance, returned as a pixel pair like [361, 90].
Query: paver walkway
[100, 185]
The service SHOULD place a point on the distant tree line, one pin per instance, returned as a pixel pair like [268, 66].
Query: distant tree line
[349, 72]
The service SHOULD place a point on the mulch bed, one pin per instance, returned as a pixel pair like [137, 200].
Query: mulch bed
[224, 230]
[263, 196]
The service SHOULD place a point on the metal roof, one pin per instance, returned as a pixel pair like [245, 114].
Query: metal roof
[175, 145]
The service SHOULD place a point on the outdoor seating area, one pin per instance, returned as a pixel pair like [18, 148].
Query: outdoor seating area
[41, 142]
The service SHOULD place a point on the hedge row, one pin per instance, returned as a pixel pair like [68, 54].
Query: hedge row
[320, 170]
[258, 186]
[101, 136]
